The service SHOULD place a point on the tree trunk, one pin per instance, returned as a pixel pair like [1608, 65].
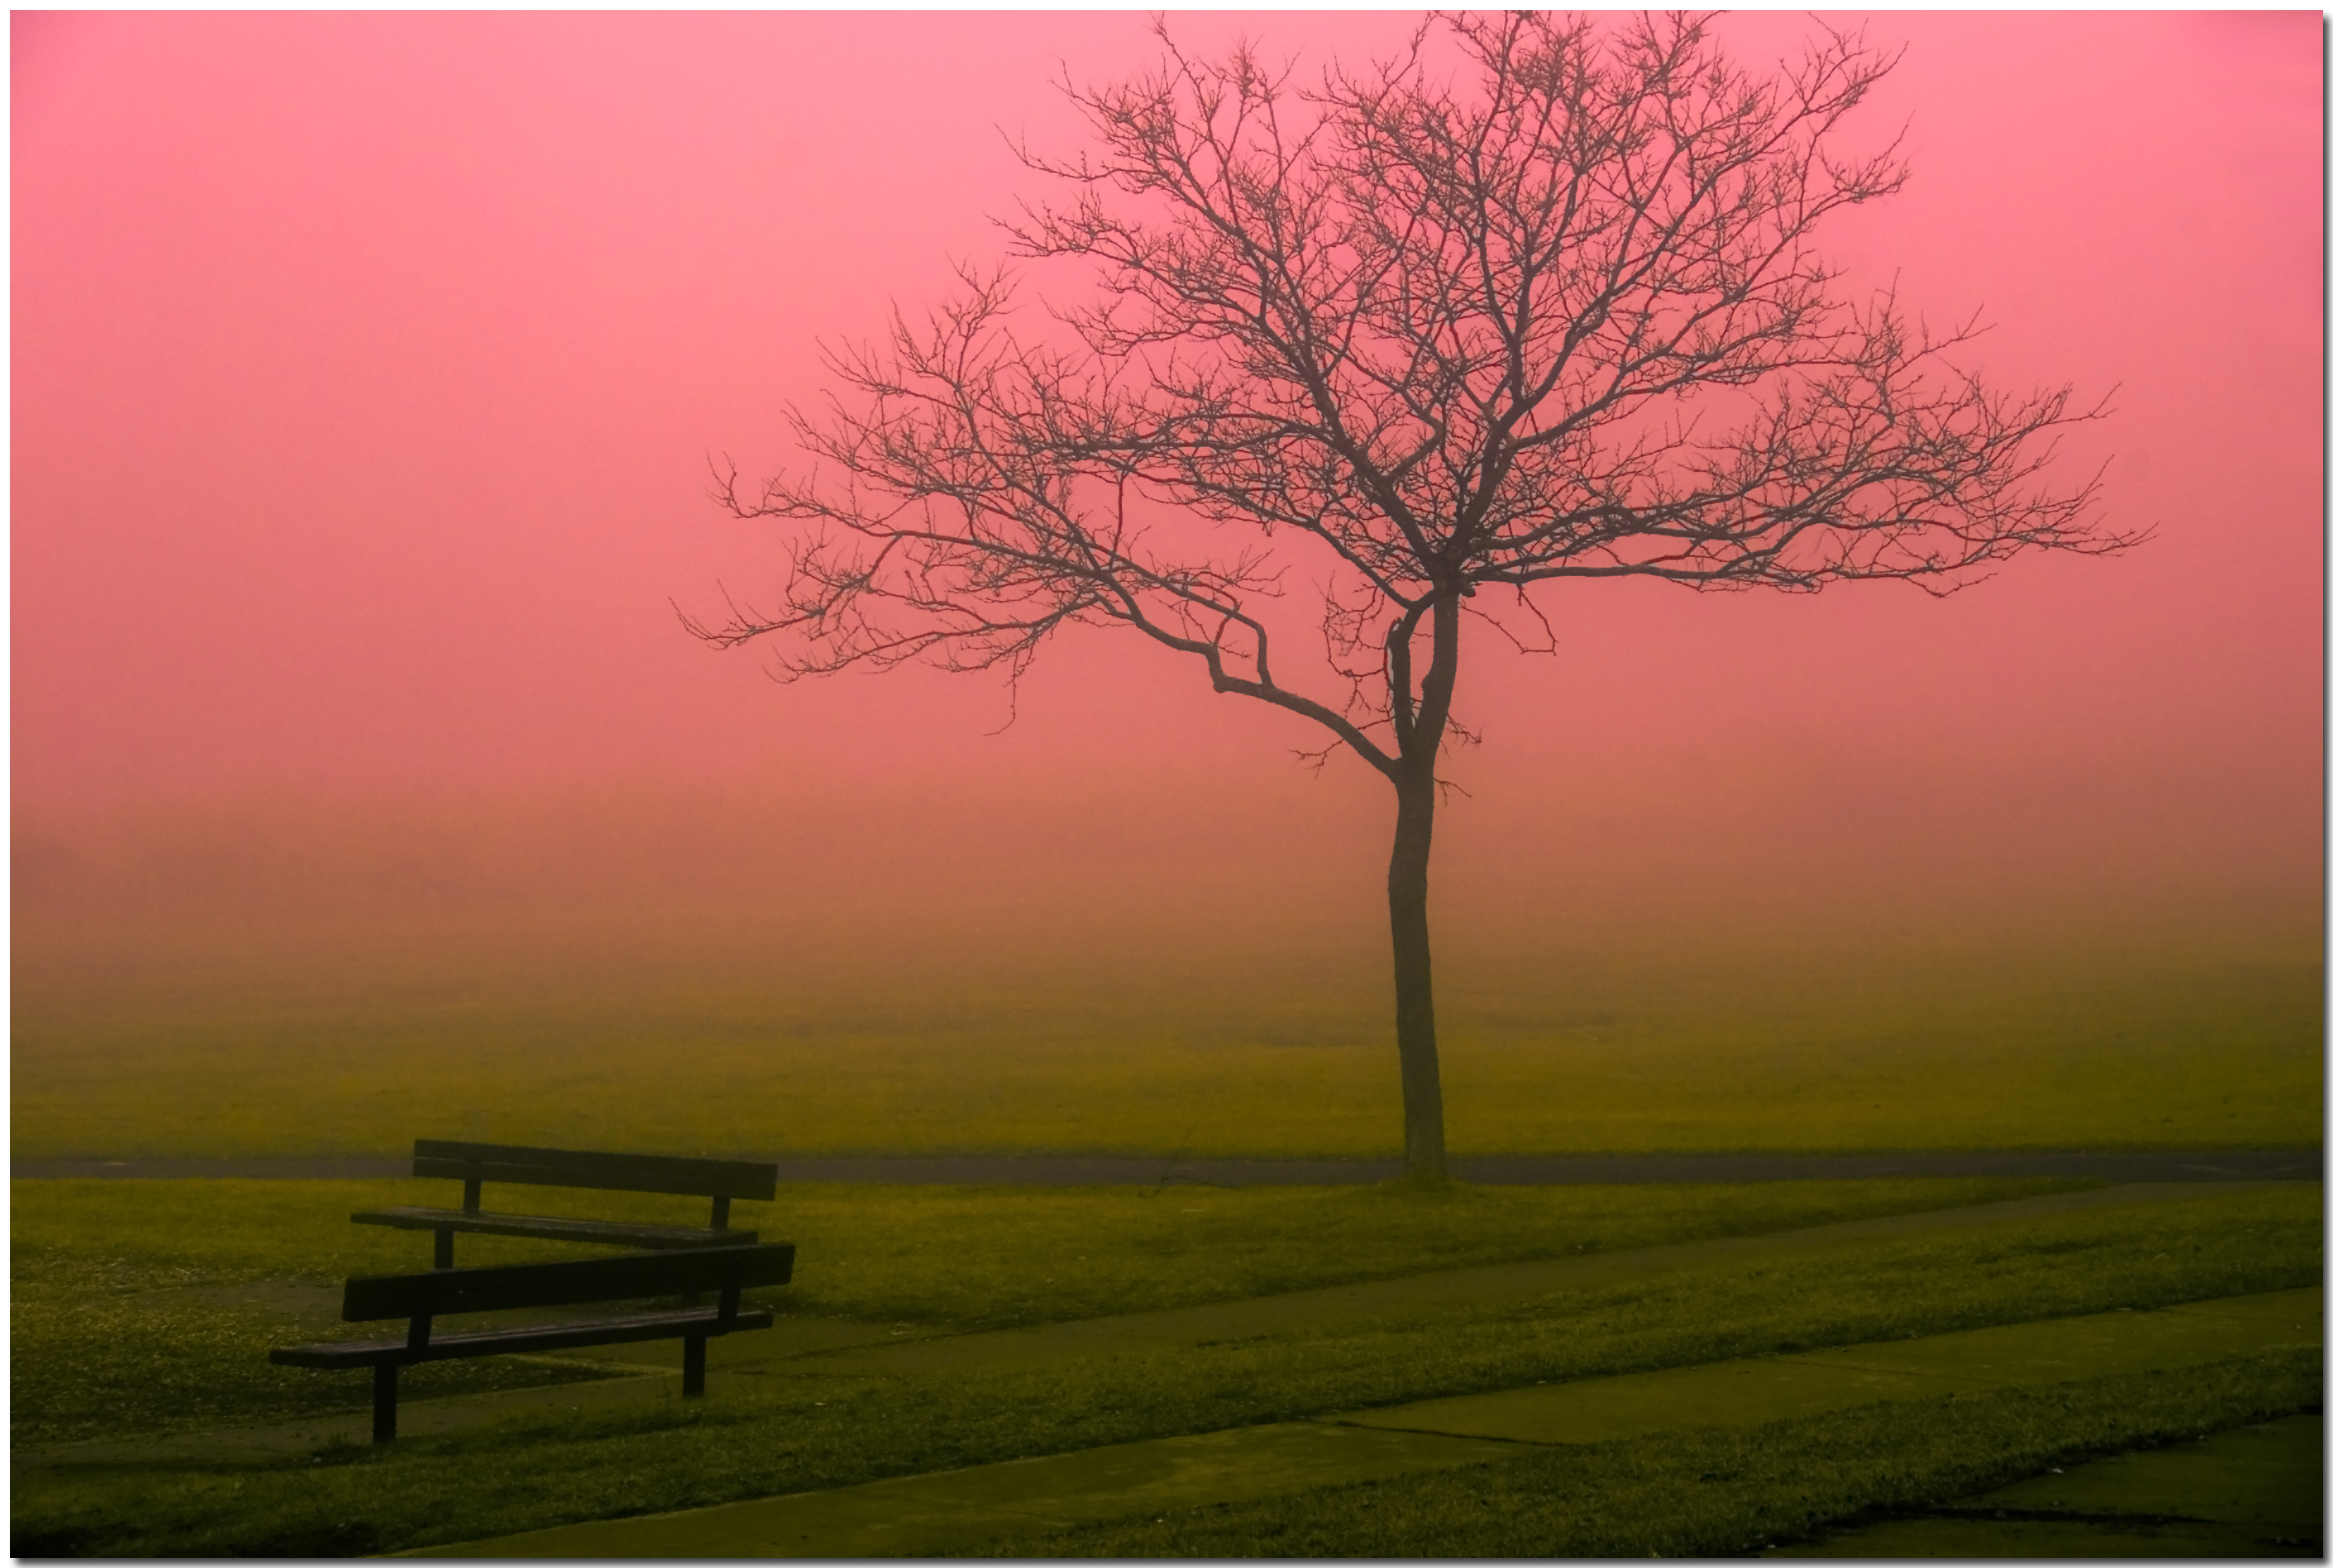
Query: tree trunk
[1413, 977]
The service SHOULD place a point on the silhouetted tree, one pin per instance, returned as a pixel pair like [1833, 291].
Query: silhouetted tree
[1554, 316]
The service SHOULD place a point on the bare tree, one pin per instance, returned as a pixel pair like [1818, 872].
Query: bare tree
[1553, 314]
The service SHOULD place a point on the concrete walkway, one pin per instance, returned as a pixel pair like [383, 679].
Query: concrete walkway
[2253, 1492]
[1489, 1169]
[967, 1510]
[1488, 1285]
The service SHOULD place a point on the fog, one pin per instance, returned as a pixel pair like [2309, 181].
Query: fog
[367, 371]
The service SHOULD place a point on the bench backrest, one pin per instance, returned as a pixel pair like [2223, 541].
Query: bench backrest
[476, 1163]
[726, 1270]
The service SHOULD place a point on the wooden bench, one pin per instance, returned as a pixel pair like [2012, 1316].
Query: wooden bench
[422, 1298]
[476, 1164]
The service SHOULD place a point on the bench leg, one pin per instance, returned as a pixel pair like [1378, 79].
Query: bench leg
[384, 1401]
[445, 1258]
[691, 1367]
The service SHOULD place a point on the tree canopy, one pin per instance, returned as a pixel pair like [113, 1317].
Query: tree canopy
[1535, 299]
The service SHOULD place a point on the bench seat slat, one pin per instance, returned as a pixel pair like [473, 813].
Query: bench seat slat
[369, 1297]
[507, 1341]
[608, 1232]
[583, 1168]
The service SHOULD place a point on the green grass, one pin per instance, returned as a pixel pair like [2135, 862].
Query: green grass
[150, 1305]
[112, 1350]
[1717, 1493]
[762, 1436]
[605, 1043]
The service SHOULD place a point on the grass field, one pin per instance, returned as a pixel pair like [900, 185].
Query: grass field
[146, 1306]
[896, 1256]
[712, 1043]
[142, 1307]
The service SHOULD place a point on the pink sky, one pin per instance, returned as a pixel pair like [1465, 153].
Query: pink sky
[366, 368]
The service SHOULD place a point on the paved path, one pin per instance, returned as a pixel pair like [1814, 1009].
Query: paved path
[1490, 1169]
[2253, 1492]
[1485, 1285]
[967, 1510]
